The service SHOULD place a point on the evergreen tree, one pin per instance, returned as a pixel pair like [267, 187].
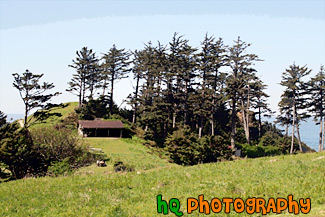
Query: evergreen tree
[239, 63]
[285, 116]
[317, 102]
[86, 67]
[94, 79]
[3, 119]
[33, 95]
[137, 75]
[115, 67]
[292, 80]
[175, 73]
[211, 58]
[260, 102]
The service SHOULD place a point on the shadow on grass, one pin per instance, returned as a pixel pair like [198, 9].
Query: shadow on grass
[4, 176]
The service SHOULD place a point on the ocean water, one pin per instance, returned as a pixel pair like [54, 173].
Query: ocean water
[309, 131]
[13, 117]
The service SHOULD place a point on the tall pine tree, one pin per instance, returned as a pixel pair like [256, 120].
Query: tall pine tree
[115, 67]
[317, 103]
[85, 65]
[293, 96]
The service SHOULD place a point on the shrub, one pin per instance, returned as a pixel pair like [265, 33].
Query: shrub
[58, 144]
[71, 121]
[59, 168]
[270, 138]
[215, 148]
[59, 147]
[119, 166]
[17, 151]
[183, 147]
[253, 151]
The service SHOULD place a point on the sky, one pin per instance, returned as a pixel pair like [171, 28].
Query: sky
[43, 36]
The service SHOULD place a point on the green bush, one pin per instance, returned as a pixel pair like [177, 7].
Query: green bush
[270, 138]
[253, 151]
[59, 168]
[119, 166]
[183, 147]
[17, 151]
[58, 144]
[272, 151]
[215, 148]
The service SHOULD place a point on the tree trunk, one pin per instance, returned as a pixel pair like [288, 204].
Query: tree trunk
[26, 113]
[212, 114]
[104, 87]
[259, 123]
[320, 134]
[185, 103]
[200, 128]
[212, 125]
[80, 93]
[298, 134]
[174, 120]
[83, 92]
[247, 117]
[136, 97]
[293, 128]
[245, 121]
[287, 129]
[323, 136]
[233, 123]
[111, 100]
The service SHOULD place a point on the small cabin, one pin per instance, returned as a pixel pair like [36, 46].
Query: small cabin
[100, 128]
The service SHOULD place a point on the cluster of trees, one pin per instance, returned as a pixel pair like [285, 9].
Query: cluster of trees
[302, 99]
[211, 89]
[197, 103]
[39, 151]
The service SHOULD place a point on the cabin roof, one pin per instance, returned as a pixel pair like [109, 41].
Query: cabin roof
[101, 124]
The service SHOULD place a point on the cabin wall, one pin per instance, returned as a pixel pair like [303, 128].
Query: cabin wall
[102, 132]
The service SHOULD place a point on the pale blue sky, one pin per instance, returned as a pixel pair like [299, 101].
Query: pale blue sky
[43, 36]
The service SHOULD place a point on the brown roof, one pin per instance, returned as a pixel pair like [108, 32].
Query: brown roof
[101, 124]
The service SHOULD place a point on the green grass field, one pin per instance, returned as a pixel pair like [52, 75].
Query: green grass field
[99, 191]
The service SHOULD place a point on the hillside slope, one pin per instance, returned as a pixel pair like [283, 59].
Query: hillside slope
[99, 192]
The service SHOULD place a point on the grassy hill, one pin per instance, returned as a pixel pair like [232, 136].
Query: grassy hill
[99, 191]
[63, 112]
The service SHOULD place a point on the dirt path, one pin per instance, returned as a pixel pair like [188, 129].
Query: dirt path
[21, 122]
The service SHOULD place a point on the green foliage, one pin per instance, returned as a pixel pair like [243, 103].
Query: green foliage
[215, 148]
[270, 138]
[17, 152]
[32, 153]
[253, 151]
[94, 108]
[3, 119]
[58, 145]
[115, 67]
[88, 74]
[71, 121]
[184, 147]
[59, 168]
[32, 93]
[119, 166]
